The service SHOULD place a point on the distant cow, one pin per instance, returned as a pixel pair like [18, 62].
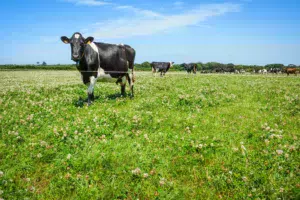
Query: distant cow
[291, 71]
[263, 71]
[192, 67]
[101, 61]
[275, 70]
[161, 67]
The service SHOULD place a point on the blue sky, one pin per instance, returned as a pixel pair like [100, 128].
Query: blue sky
[237, 31]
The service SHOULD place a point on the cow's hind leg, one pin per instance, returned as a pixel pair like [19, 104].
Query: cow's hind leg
[123, 85]
[131, 79]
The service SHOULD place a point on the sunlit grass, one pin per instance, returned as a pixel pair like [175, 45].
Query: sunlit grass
[181, 137]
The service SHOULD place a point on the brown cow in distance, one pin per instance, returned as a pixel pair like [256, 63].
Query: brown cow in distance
[290, 70]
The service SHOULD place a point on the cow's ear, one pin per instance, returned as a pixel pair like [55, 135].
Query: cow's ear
[65, 40]
[88, 40]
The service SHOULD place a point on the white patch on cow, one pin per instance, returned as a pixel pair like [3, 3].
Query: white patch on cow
[93, 81]
[121, 44]
[104, 77]
[77, 36]
[94, 47]
[171, 65]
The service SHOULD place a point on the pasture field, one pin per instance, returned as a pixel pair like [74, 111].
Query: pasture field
[181, 137]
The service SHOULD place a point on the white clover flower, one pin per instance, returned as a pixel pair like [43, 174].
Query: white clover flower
[279, 152]
[267, 142]
[162, 181]
[145, 175]
[136, 171]
[69, 156]
[39, 155]
[235, 149]
[286, 155]
[1, 174]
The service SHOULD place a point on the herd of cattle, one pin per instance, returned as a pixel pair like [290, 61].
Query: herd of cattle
[96, 60]
[163, 67]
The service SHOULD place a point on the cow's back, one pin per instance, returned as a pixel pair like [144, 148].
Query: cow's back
[114, 58]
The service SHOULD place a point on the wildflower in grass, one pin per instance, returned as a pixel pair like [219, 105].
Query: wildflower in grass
[1, 174]
[68, 175]
[152, 172]
[211, 144]
[245, 179]
[286, 155]
[1, 192]
[292, 148]
[69, 156]
[43, 143]
[235, 149]
[162, 181]
[230, 172]
[136, 171]
[279, 152]
[146, 175]
[244, 150]
[267, 142]
[39, 155]
[32, 189]
[146, 137]
[280, 168]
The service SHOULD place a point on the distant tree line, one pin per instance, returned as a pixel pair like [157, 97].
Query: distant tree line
[210, 67]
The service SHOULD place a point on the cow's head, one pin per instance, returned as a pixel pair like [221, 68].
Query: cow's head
[77, 42]
[171, 64]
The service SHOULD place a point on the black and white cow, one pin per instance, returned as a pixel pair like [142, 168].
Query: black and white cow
[192, 67]
[101, 61]
[161, 67]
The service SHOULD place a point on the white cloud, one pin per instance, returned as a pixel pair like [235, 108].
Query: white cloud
[178, 3]
[89, 2]
[146, 13]
[149, 24]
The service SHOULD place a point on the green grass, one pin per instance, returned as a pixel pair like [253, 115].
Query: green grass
[181, 137]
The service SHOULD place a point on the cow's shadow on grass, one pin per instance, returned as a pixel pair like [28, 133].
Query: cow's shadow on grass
[116, 96]
[80, 102]
[83, 101]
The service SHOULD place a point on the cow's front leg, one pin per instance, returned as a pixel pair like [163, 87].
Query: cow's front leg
[91, 96]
